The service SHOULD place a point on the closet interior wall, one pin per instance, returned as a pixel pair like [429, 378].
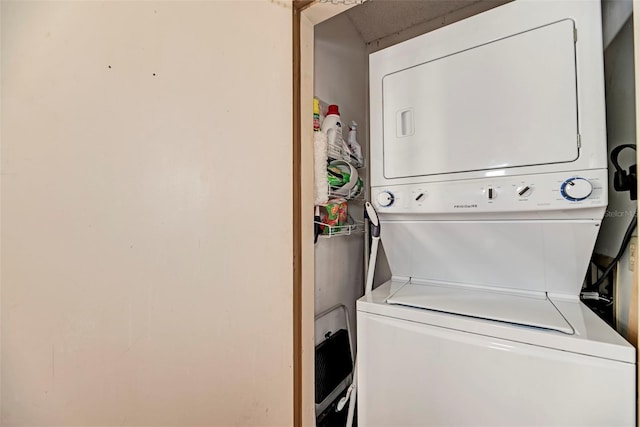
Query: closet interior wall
[621, 129]
[341, 77]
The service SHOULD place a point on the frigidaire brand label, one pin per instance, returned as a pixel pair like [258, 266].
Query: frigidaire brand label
[465, 206]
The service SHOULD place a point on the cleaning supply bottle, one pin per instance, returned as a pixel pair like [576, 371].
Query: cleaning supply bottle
[354, 147]
[316, 115]
[332, 127]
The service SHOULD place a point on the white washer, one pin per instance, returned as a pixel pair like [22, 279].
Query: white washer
[488, 172]
[419, 367]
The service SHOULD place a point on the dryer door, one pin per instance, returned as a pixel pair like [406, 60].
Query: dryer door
[507, 103]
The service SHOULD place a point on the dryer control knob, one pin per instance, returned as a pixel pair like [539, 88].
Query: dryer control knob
[576, 189]
[491, 193]
[385, 199]
[524, 191]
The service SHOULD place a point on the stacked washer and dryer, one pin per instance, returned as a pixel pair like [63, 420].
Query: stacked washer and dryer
[489, 175]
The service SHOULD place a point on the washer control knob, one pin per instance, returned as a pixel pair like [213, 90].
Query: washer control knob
[491, 193]
[576, 189]
[524, 191]
[385, 199]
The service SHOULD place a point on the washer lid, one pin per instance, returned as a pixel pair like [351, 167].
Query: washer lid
[592, 337]
[531, 309]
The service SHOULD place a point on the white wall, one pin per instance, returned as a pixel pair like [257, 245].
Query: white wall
[621, 129]
[341, 77]
[146, 219]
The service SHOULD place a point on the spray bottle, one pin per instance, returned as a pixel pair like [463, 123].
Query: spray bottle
[354, 147]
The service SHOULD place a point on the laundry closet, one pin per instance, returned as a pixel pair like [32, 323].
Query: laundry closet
[341, 49]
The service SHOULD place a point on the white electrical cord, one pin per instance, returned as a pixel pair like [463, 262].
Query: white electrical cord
[352, 391]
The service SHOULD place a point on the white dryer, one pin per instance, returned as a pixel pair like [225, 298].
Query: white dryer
[488, 171]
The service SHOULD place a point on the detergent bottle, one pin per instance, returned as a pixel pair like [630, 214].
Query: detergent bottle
[332, 127]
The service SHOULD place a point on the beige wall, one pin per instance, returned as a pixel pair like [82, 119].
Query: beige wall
[146, 219]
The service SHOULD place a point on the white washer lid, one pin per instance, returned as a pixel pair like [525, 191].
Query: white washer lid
[532, 309]
[592, 337]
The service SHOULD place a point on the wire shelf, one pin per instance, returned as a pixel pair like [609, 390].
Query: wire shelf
[356, 193]
[328, 231]
[336, 152]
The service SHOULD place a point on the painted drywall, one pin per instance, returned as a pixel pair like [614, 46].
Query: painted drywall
[146, 213]
[621, 129]
[340, 77]
[636, 40]
[615, 14]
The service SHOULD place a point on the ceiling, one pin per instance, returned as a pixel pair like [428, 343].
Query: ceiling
[379, 19]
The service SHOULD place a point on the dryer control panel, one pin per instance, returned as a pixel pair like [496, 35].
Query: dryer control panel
[555, 191]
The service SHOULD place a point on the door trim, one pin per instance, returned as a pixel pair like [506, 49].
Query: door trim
[297, 219]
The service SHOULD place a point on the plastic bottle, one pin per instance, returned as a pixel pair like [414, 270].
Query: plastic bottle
[332, 127]
[354, 147]
[316, 115]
